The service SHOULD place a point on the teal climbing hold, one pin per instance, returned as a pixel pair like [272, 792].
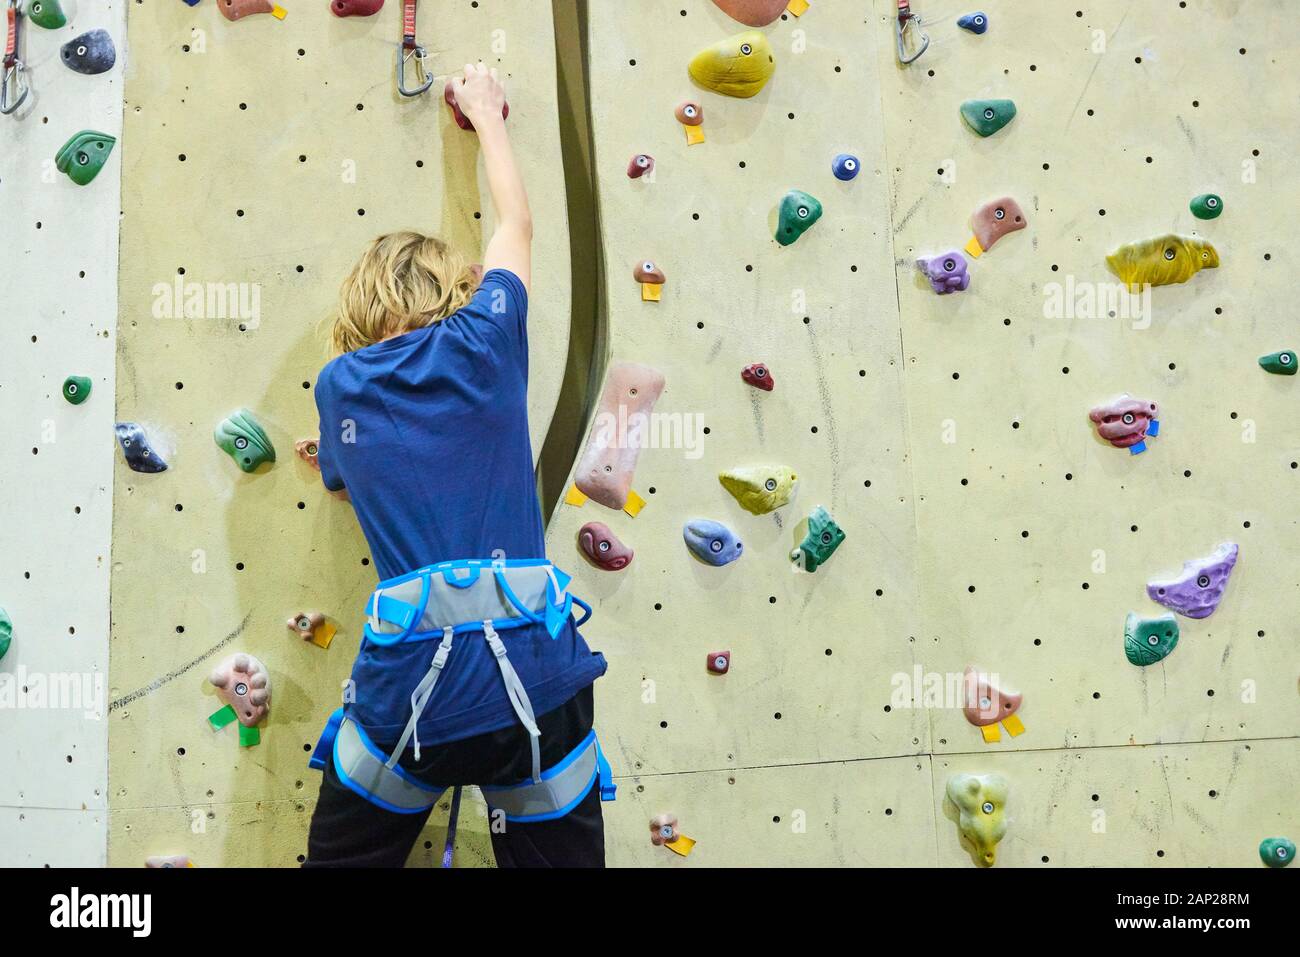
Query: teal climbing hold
[6, 632]
[243, 439]
[84, 155]
[1207, 206]
[1148, 640]
[47, 14]
[1273, 851]
[1279, 363]
[76, 389]
[986, 117]
[820, 542]
[797, 214]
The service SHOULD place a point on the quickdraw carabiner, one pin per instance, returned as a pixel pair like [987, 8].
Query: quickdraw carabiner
[909, 21]
[409, 49]
[14, 89]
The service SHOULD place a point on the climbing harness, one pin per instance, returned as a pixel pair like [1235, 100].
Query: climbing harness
[14, 89]
[410, 49]
[909, 21]
[440, 602]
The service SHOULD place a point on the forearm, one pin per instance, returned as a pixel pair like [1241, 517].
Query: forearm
[509, 198]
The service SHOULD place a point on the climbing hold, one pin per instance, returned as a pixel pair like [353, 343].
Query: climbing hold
[1161, 261]
[974, 22]
[135, 449]
[1197, 591]
[737, 66]
[760, 488]
[820, 541]
[845, 166]
[1126, 422]
[691, 115]
[234, 10]
[981, 800]
[759, 376]
[1207, 206]
[314, 627]
[986, 117]
[992, 221]
[797, 214]
[607, 466]
[244, 684]
[307, 449]
[664, 833]
[602, 546]
[46, 13]
[1279, 363]
[449, 94]
[355, 8]
[91, 53]
[711, 542]
[719, 662]
[947, 273]
[84, 155]
[76, 389]
[176, 860]
[651, 279]
[986, 705]
[1276, 851]
[1148, 640]
[752, 13]
[243, 439]
[6, 632]
[640, 165]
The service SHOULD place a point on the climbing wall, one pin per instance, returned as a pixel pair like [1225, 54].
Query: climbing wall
[262, 156]
[59, 276]
[948, 435]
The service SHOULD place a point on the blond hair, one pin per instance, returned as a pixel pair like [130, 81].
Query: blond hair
[403, 281]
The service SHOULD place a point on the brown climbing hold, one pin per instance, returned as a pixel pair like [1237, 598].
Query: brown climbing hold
[691, 115]
[307, 449]
[608, 465]
[985, 705]
[602, 546]
[312, 626]
[994, 220]
[449, 94]
[759, 376]
[752, 13]
[651, 278]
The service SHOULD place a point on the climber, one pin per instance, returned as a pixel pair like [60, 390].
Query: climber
[471, 670]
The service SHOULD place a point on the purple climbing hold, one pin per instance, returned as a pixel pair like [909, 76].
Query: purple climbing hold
[947, 273]
[1196, 593]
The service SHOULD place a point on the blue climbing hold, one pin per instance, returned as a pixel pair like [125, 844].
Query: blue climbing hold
[845, 166]
[136, 449]
[711, 542]
[974, 22]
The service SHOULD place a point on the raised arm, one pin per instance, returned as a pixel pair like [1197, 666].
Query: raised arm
[480, 96]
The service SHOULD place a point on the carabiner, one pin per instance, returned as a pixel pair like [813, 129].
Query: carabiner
[420, 55]
[14, 82]
[907, 20]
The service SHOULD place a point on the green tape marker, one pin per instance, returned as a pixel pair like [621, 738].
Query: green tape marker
[222, 717]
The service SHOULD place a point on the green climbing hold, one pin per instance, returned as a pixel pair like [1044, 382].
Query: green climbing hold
[83, 156]
[240, 435]
[1207, 206]
[820, 542]
[986, 117]
[46, 13]
[798, 212]
[1279, 363]
[76, 389]
[1273, 851]
[6, 632]
[1148, 640]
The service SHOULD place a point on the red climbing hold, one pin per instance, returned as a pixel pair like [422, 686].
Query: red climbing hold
[449, 94]
[355, 8]
[759, 376]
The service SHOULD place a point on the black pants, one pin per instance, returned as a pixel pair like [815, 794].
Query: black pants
[349, 831]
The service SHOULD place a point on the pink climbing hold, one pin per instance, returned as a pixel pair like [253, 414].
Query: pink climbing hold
[752, 13]
[985, 703]
[603, 547]
[244, 684]
[449, 94]
[640, 165]
[994, 220]
[1126, 422]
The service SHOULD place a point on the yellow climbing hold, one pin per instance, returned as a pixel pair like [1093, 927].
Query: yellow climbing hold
[1161, 261]
[760, 488]
[737, 66]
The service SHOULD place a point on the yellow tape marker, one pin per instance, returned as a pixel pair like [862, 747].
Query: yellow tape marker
[575, 497]
[322, 636]
[798, 7]
[991, 733]
[1014, 725]
[633, 504]
[974, 248]
[278, 12]
[694, 134]
[650, 291]
[682, 846]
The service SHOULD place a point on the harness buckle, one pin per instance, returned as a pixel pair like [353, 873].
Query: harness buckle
[909, 22]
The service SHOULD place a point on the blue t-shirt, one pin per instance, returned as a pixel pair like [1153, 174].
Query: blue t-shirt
[428, 432]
